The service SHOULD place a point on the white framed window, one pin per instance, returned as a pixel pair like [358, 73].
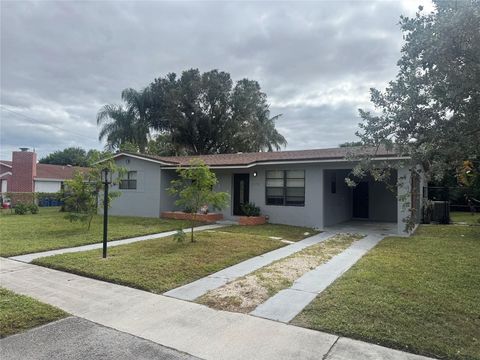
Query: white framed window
[285, 187]
[130, 183]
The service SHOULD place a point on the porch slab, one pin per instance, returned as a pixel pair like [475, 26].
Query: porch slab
[365, 227]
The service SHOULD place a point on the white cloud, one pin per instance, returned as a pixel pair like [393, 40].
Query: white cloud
[61, 61]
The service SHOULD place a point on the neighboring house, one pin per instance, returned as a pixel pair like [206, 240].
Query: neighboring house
[23, 175]
[305, 188]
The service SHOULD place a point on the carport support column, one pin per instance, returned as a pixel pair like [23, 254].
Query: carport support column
[403, 198]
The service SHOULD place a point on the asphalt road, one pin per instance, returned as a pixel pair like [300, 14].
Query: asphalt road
[75, 338]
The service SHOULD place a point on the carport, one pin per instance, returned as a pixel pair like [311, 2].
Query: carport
[369, 202]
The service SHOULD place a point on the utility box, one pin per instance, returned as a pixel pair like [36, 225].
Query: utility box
[441, 212]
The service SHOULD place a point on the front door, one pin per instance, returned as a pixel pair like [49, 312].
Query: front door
[360, 200]
[240, 192]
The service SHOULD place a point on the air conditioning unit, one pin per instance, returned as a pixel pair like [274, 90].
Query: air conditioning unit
[441, 212]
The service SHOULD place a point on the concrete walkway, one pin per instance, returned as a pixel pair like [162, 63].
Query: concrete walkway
[30, 257]
[188, 327]
[202, 286]
[185, 326]
[288, 303]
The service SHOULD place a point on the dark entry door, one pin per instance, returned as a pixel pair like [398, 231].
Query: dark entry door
[360, 200]
[240, 192]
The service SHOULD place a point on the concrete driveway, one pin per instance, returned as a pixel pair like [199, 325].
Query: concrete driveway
[75, 338]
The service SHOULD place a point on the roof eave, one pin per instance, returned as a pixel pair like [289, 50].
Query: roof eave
[295, 161]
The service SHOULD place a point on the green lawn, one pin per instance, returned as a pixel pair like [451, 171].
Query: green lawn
[286, 232]
[19, 313]
[48, 230]
[419, 294]
[163, 264]
[465, 217]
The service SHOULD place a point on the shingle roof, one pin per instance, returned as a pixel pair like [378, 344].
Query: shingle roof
[48, 171]
[244, 159]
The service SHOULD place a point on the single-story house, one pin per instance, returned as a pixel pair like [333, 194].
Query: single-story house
[23, 175]
[304, 188]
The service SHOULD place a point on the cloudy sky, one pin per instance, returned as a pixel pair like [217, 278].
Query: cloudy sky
[61, 61]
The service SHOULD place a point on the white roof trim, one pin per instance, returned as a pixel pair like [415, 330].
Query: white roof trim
[2, 163]
[6, 173]
[136, 157]
[48, 179]
[283, 162]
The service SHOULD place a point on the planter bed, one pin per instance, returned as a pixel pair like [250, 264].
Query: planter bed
[180, 215]
[252, 220]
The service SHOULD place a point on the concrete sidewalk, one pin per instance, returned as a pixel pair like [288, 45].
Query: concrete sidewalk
[185, 326]
[200, 287]
[288, 303]
[30, 257]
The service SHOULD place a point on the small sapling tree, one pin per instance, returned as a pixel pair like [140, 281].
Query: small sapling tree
[194, 188]
[80, 194]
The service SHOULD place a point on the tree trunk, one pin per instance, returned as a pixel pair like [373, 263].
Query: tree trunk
[193, 225]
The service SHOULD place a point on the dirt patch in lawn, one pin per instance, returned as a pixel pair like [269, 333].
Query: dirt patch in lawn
[245, 294]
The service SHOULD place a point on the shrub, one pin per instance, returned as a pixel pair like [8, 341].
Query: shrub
[179, 236]
[250, 209]
[33, 208]
[21, 209]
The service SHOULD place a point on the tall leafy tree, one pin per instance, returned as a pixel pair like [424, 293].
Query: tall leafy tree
[205, 114]
[254, 128]
[431, 111]
[70, 156]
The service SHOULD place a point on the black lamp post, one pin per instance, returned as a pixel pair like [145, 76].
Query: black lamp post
[106, 179]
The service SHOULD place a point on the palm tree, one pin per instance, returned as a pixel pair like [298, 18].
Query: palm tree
[117, 126]
[266, 136]
[129, 124]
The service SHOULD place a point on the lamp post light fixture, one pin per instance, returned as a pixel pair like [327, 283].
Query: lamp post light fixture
[106, 180]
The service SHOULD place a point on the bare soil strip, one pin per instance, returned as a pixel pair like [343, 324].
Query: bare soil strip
[245, 294]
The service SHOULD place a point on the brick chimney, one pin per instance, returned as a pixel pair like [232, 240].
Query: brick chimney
[24, 169]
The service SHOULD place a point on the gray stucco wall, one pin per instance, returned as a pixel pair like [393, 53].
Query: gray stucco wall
[309, 215]
[167, 202]
[338, 206]
[145, 199]
[322, 208]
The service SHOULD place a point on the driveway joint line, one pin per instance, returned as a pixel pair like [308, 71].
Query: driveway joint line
[331, 348]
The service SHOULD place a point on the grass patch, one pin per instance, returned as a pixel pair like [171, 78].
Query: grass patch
[48, 230]
[245, 294]
[419, 294]
[163, 264]
[465, 218]
[19, 313]
[286, 232]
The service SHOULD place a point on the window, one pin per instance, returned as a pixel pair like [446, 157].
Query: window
[285, 187]
[130, 182]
